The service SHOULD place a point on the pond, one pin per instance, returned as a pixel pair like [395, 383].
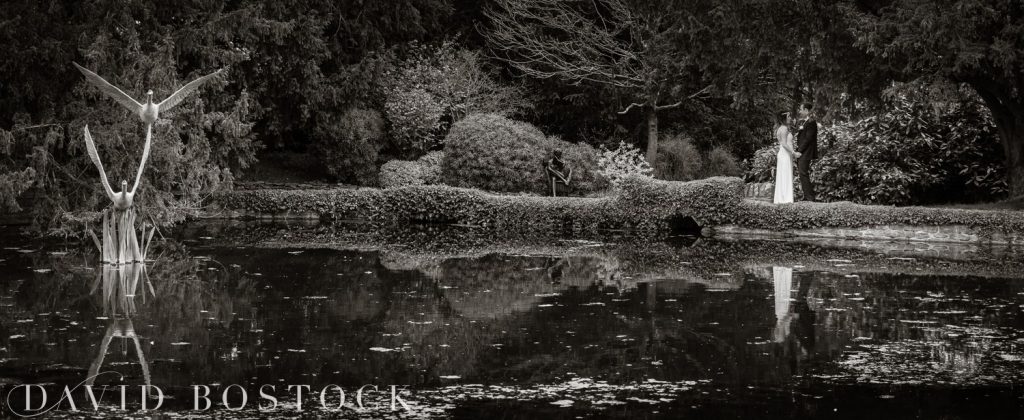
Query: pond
[467, 325]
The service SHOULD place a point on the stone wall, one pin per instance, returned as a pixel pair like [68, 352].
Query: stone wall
[759, 190]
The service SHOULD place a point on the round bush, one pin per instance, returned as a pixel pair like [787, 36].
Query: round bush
[494, 153]
[430, 167]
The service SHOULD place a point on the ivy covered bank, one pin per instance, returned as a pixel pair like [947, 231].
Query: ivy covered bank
[638, 204]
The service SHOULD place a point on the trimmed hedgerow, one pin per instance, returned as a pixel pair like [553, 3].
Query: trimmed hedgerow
[808, 215]
[436, 203]
[709, 201]
[705, 200]
[641, 204]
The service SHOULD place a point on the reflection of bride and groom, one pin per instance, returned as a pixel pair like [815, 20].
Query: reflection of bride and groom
[805, 151]
[787, 307]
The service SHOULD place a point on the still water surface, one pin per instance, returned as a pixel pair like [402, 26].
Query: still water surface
[564, 329]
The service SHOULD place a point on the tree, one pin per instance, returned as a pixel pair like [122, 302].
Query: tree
[44, 105]
[658, 53]
[976, 42]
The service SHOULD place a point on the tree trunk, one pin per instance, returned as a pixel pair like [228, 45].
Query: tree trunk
[652, 134]
[1008, 113]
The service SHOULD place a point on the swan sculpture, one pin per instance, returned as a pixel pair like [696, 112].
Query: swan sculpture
[149, 112]
[124, 199]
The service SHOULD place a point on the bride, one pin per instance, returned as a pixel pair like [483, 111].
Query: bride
[784, 160]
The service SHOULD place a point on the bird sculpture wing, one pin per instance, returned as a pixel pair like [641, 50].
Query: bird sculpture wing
[109, 89]
[95, 156]
[186, 90]
[145, 156]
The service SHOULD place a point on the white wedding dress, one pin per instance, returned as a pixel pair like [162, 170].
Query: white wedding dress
[784, 167]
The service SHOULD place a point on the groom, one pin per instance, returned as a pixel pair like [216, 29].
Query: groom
[807, 146]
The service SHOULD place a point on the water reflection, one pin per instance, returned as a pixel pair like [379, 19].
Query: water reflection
[586, 312]
[782, 280]
[119, 286]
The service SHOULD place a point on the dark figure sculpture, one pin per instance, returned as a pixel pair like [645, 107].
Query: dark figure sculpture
[558, 172]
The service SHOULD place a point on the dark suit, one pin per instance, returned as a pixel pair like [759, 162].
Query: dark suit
[807, 145]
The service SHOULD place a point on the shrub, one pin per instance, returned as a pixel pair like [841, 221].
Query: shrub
[582, 158]
[414, 118]
[400, 173]
[494, 153]
[678, 160]
[912, 154]
[624, 161]
[349, 148]
[762, 165]
[721, 162]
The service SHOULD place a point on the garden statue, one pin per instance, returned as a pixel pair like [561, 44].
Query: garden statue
[120, 244]
[149, 112]
[558, 172]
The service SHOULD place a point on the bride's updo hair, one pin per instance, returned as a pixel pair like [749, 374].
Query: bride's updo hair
[782, 118]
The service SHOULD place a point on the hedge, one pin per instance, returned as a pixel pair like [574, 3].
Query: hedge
[808, 215]
[640, 204]
[705, 200]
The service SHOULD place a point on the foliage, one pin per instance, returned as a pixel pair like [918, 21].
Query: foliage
[12, 184]
[678, 160]
[644, 204]
[423, 171]
[761, 167]
[493, 153]
[435, 86]
[626, 160]
[349, 151]
[414, 119]
[810, 215]
[913, 153]
[648, 52]
[583, 159]
[196, 148]
[975, 42]
[721, 162]
[709, 201]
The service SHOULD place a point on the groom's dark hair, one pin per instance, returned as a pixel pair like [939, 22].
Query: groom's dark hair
[808, 106]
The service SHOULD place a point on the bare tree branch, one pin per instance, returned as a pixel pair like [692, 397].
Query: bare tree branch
[625, 111]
